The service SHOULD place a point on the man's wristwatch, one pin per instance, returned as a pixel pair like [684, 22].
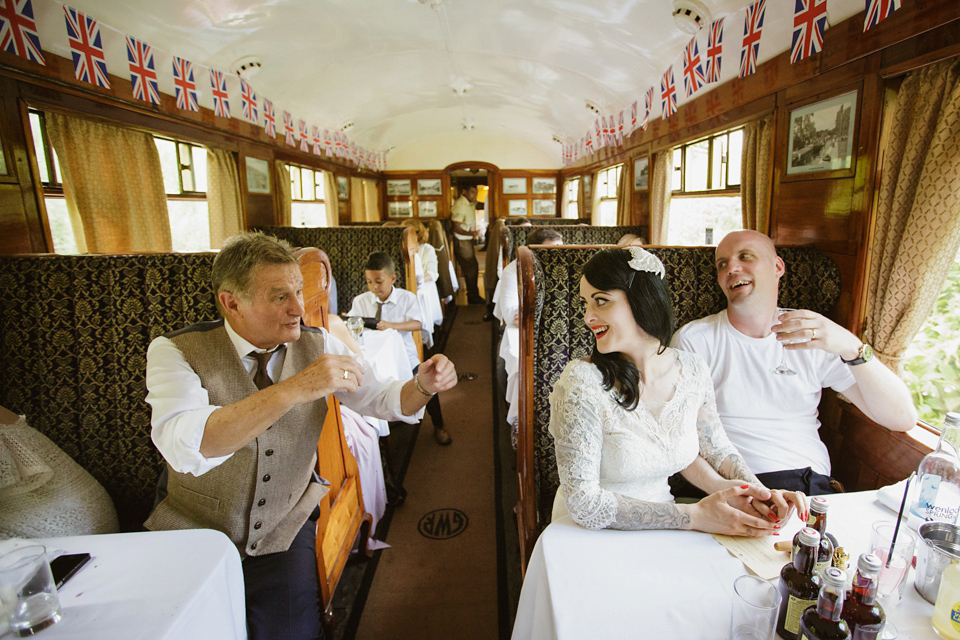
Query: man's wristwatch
[865, 354]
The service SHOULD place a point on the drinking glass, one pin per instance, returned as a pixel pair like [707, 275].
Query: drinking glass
[782, 369]
[27, 590]
[895, 558]
[355, 326]
[756, 603]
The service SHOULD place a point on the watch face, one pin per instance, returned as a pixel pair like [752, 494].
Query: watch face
[866, 352]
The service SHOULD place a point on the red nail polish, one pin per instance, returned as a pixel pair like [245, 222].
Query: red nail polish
[744, 486]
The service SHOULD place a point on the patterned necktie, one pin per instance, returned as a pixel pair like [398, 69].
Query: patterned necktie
[379, 311]
[261, 378]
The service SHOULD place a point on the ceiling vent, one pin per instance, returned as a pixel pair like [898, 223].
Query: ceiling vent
[557, 139]
[591, 106]
[247, 67]
[690, 16]
[346, 126]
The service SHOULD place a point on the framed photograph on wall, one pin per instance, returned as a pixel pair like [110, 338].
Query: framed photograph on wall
[544, 208]
[343, 188]
[398, 187]
[821, 135]
[514, 185]
[641, 174]
[258, 175]
[429, 187]
[544, 185]
[427, 208]
[400, 209]
[517, 207]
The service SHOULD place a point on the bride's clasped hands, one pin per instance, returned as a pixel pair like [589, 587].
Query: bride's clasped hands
[745, 510]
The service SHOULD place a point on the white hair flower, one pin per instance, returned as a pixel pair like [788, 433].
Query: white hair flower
[643, 260]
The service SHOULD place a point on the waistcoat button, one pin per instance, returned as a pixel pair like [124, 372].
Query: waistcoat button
[257, 525]
[253, 546]
[266, 478]
[262, 502]
[269, 452]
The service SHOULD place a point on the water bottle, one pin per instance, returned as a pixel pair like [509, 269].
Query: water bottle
[939, 475]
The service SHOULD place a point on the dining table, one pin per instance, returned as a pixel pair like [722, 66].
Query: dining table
[581, 583]
[386, 353]
[150, 585]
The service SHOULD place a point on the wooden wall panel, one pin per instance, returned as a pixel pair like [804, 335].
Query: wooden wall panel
[14, 235]
[815, 212]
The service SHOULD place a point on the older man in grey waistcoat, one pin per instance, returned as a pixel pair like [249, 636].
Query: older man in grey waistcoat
[238, 406]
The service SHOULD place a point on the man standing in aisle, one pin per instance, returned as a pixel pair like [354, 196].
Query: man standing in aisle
[464, 218]
[238, 406]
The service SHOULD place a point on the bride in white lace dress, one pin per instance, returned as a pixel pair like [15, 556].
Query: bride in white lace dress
[638, 411]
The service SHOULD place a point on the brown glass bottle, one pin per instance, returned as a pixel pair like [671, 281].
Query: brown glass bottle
[861, 611]
[818, 520]
[799, 584]
[825, 621]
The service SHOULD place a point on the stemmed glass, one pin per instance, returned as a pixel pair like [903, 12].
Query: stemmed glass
[355, 326]
[893, 570]
[782, 369]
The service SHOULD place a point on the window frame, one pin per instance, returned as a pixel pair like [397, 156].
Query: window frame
[184, 194]
[727, 189]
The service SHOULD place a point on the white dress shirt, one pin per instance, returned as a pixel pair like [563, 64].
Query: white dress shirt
[400, 306]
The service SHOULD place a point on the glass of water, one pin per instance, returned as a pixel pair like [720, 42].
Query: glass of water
[355, 327]
[756, 603]
[27, 590]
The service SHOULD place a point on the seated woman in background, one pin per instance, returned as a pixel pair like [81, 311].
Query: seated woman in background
[425, 264]
[637, 411]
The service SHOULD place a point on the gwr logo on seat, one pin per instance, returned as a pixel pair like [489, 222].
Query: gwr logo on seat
[442, 524]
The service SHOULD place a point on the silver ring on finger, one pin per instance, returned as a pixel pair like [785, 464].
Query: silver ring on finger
[346, 374]
[813, 335]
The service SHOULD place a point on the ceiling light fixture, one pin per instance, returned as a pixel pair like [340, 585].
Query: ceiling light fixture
[461, 86]
[247, 67]
[690, 15]
[346, 126]
[592, 106]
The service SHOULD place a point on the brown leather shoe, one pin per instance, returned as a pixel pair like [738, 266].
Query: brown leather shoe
[441, 436]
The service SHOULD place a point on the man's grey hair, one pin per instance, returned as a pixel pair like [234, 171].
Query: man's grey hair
[241, 257]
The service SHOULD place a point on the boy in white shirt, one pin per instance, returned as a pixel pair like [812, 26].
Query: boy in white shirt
[396, 309]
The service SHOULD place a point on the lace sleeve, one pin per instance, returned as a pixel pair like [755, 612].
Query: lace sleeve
[715, 447]
[577, 430]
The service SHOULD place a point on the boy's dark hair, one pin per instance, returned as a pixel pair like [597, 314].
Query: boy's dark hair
[540, 236]
[380, 261]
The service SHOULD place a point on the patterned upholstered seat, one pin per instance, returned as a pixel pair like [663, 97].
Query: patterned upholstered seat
[578, 234]
[556, 333]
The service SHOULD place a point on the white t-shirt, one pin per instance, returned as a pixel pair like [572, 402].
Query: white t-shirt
[771, 419]
[464, 212]
[400, 306]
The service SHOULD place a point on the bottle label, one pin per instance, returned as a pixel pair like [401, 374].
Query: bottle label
[820, 567]
[947, 504]
[929, 484]
[795, 608]
[955, 616]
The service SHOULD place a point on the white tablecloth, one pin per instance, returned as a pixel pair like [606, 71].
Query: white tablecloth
[387, 354]
[154, 584]
[510, 352]
[669, 584]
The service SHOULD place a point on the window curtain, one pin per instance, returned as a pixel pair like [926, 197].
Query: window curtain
[918, 225]
[330, 199]
[624, 196]
[358, 207]
[283, 196]
[581, 197]
[660, 189]
[595, 200]
[113, 185]
[224, 201]
[755, 174]
[370, 200]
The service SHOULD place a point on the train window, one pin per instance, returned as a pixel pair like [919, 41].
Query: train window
[571, 204]
[58, 218]
[309, 208]
[705, 198]
[607, 182]
[931, 366]
[184, 168]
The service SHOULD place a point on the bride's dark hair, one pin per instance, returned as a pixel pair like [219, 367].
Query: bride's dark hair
[652, 308]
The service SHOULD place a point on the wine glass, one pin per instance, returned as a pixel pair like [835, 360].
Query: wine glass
[782, 369]
[896, 558]
[355, 327]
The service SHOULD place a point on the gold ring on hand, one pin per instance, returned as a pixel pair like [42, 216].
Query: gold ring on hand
[345, 374]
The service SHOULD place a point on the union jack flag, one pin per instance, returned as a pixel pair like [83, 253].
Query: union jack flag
[327, 143]
[634, 117]
[692, 69]
[361, 160]
[269, 118]
[289, 136]
[598, 133]
[620, 132]
[809, 20]
[668, 94]
[714, 49]
[185, 86]
[877, 10]
[317, 141]
[589, 143]
[304, 137]
[221, 101]
[18, 30]
[83, 34]
[647, 107]
[248, 101]
[353, 151]
[143, 75]
[752, 26]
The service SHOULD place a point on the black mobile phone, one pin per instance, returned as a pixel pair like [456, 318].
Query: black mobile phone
[63, 567]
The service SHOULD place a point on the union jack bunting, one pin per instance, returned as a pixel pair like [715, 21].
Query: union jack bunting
[18, 30]
[634, 117]
[589, 143]
[317, 142]
[86, 47]
[288, 132]
[668, 94]
[269, 118]
[611, 121]
[327, 143]
[184, 85]
[752, 26]
[647, 107]
[877, 10]
[221, 101]
[714, 49]
[598, 133]
[304, 137]
[693, 77]
[620, 133]
[248, 102]
[809, 20]
[143, 75]
[353, 151]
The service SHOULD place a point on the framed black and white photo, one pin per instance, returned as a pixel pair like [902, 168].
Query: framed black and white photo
[343, 188]
[427, 208]
[641, 174]
[258, 175]
[544, 185]
[398, 187]
[429, 187]
[517, 207]
[821, 135]
[544, 208]
[514, 185]
[400, 209]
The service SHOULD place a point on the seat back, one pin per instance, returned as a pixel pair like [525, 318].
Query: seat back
[552, 332]
[574, 234]
[440, 242]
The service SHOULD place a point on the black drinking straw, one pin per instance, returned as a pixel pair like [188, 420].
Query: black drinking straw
[896, 528]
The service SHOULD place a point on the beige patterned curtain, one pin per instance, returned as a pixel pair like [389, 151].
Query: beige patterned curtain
[595, 200]
[755, 173]
[660, 188]
[918, 211]
[224, 201]
[358, 207]
[331, 199]
[581, 197]
[283, 196]
[370, 200]
[113, 185]
[624, 196]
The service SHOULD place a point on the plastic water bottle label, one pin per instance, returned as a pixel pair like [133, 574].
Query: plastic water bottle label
[929, 485]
